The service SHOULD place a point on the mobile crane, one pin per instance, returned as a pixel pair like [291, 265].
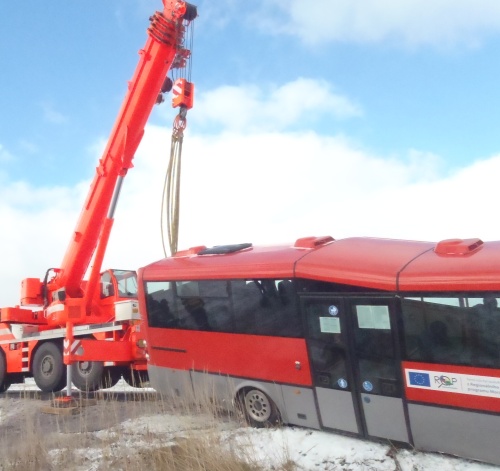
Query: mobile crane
[93, 324]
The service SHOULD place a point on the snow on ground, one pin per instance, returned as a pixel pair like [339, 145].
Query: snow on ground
[308, 449]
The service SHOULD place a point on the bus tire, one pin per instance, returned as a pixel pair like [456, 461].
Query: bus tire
[4, 379]
[135, 378]
[87, 375]
[48, 368]
[259, 409]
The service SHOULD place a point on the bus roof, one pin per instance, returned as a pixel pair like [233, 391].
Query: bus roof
[385, 264]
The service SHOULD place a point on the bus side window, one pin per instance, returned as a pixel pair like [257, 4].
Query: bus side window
[483, 331]
[159, 303]
[266, 307]
[246, 298]
[215, 295]
[290, 323]
[285, 292]
[434, 330]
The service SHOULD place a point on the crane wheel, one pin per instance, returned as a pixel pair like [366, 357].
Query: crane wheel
[87, 375]
[48, 368]
[4, 382]
[135, 378]
[111, 376]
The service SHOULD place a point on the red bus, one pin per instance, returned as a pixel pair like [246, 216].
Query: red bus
[386, 339]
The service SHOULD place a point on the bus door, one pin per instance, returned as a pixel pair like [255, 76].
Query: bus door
[377, 371]
[356, 376]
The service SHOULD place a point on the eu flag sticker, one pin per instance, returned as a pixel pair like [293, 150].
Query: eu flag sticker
[419, 379]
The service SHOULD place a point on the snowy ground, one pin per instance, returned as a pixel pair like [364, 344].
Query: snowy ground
[308, 449]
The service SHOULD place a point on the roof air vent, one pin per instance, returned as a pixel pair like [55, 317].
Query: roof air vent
[312, 242]
[224, 249]
[458, 246]
[190, 251]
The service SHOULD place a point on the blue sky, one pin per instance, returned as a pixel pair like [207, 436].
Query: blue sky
[359, 117]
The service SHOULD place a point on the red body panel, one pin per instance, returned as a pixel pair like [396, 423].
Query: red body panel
[383, 264]
[479, 270]
[247, 356]
[14, 359]
[17, 315]
[261, 262]
[367, 262]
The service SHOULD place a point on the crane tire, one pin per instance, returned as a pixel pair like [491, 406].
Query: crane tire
[87, 375]
[4, 381]
[111, 376]
[135, 378]
[48, 368]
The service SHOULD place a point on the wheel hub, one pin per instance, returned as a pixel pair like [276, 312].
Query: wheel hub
[85, 367]
[258, 406]
[47, 366]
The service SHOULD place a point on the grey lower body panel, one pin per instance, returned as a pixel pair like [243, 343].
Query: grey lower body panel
[170, 382]
[300, 406]
[385, 417]
[337, 409]
[462, 433]
[296, 404]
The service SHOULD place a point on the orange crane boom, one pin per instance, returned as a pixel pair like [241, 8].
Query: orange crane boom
[93, 326]
[94, 225]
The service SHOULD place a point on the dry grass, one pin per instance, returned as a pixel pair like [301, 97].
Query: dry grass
[139, 432]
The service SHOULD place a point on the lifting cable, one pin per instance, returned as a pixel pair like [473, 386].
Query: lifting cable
[171, 188]
[180, 70]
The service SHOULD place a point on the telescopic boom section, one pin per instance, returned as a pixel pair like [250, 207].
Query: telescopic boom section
[165, 34]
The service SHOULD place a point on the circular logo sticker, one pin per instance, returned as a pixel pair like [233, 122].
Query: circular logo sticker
[333, 310]
[342, 383]
[367, 386]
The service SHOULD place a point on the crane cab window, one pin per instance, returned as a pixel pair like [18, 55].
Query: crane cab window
[126, 281]
[119, 282]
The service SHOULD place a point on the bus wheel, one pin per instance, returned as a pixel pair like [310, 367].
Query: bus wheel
[135, 378]
[259, 409]
[4, 382]
[87, 375]
[48, 368]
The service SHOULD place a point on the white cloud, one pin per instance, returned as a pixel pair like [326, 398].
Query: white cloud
[28, 146]
[5, 155]
[413, 22]
[36, 224]
[251, 108]
[216, 14]
[253, 181]
[262, 188]
[51, 114]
